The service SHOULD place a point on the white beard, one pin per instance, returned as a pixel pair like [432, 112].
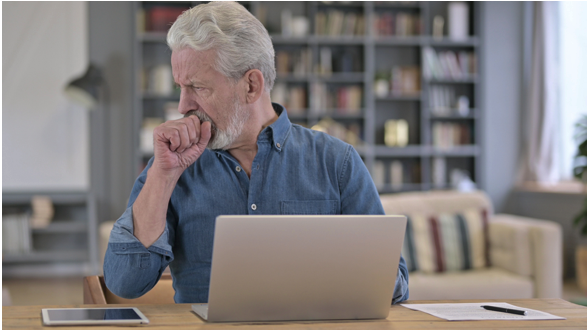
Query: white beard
[222, 139]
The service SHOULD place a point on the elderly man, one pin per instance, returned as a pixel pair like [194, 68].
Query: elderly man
[233, 153]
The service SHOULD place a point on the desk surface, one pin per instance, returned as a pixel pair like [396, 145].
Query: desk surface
[180, 316]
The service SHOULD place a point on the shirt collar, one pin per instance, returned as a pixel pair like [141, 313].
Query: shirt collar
[278, 130]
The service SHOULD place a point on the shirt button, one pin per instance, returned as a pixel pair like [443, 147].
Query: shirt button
[238, 169]
[254, 207]
[278, 145]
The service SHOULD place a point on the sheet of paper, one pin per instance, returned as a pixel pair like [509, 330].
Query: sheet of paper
[474, 312]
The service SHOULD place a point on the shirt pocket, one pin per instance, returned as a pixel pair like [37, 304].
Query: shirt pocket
[309, 207]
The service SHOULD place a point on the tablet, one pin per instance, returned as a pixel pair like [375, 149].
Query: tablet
[87, 316]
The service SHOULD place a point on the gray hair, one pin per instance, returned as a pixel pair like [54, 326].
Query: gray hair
[242, 43]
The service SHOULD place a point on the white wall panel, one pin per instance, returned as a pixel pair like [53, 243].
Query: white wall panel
[44, 136]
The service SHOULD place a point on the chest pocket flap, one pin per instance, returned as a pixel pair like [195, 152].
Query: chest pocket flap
[308, 207]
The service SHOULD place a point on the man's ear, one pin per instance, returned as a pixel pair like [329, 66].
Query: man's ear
[254, 84]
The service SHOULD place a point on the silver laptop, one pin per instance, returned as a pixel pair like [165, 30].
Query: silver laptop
[288, 268]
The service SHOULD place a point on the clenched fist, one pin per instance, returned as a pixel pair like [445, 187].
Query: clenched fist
[179, 143]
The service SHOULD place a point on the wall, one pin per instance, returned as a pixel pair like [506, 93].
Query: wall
[502, 69]
[44, 136]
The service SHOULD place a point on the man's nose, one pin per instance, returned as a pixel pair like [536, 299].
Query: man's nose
[187, 103]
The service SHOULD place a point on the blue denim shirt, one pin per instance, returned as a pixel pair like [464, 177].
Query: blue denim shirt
[295, 171]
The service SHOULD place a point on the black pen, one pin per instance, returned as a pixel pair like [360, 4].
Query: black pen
[505, 310]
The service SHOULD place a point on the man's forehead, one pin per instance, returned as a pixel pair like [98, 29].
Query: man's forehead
[187, 61]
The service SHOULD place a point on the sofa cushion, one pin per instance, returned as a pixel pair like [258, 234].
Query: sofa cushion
[488, 283]
[446, 241]
[435, 202]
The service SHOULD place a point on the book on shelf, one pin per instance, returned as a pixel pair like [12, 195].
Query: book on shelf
[159, 80]
[396, 133]
[396, 175]
[347, 100]
[337, 23]
[446, 135]
[293, 98]
[298, 63]
[349, 133]
[399, 24]
[16, 234]
[325, 66]
[405, 81]
[439, 172]
[449, 64]
[347, 60]
[158, 18]
[378, 173]
[350, 21]
[441, 100]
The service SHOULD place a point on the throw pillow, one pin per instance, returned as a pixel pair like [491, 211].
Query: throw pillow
[447, 242]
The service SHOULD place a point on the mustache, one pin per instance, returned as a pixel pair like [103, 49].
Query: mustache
[203, 118]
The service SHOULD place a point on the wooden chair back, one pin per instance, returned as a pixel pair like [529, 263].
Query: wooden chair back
[96, 292]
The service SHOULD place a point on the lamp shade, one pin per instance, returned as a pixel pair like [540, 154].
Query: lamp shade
[84, 90]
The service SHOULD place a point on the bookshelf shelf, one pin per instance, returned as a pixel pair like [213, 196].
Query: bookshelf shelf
[469, 117]
[414, 41]
[400, 98]
[446, 42]
[350, 77]
[336, 77]
[63, 227]
[279, 39]
[293, 78]
[387, 37]
[337, 114]
[336, 40]
[70, 238]
[456, 151]
[407, 151]
[473, 80]
[339, 4]
[74, 197]
[46, 256]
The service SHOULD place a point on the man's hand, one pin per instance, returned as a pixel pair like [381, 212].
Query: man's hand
[179, 143]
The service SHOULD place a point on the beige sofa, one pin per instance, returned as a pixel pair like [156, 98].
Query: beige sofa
[525, 253]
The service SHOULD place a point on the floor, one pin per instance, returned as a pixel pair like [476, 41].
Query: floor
[69, 291]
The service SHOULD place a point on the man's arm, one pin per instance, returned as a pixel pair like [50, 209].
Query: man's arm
[358, 196]
[139, 247]
[130, 268]
[178, 144]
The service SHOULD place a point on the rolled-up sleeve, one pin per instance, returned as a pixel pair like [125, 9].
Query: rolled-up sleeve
[131, 269]
[401, 291]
